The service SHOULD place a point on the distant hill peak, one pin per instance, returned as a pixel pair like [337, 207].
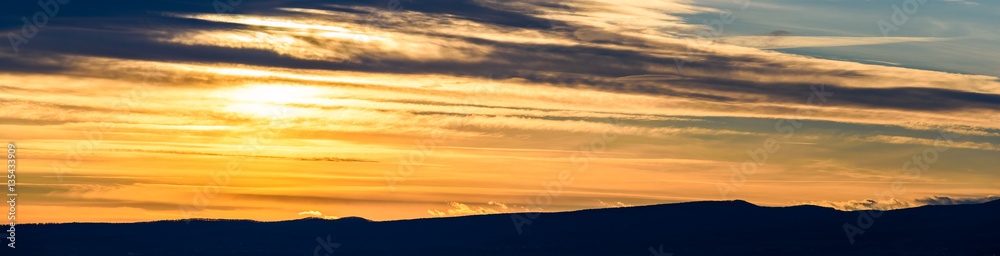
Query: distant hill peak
[354, 219]
[344, 219]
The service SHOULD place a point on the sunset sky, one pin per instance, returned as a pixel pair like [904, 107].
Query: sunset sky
[130, 111]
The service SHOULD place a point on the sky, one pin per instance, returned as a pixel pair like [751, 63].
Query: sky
[127, 111]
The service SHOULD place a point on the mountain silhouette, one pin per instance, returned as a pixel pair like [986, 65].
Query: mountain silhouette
[693, 228]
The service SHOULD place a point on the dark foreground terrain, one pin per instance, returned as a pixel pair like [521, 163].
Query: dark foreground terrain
[696, 228]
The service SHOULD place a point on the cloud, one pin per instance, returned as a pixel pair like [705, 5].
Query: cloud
[928, 142]
[969, 3]
[314, 213]
[460, 209]
[783, 41]
[867, 204]
[780, 33]
[326, 159]
[614, 205]
[872, 204]
[945, 200]
[317, 214]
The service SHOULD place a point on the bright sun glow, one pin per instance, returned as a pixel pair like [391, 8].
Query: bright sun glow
[280, 94]
[267, 100]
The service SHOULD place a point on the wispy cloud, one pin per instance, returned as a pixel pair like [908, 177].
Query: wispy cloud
[945, 200]
[867, 204]
[460, 209]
